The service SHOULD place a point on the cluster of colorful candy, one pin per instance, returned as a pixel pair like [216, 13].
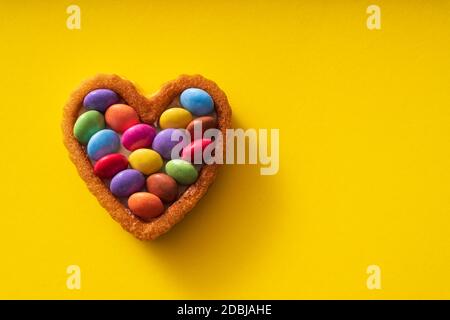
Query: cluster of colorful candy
[135, 158]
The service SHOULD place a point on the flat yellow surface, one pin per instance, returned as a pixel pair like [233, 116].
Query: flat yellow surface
[364, 119]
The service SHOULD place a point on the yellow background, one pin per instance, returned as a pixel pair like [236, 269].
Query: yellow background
[364, 178]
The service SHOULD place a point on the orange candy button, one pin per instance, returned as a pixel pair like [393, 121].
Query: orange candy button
[145, 205]
[120, 117]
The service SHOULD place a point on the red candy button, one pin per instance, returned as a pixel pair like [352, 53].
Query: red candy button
[194, 151]
[109, 165]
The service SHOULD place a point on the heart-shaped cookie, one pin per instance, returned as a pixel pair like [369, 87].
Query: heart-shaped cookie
[149, 111]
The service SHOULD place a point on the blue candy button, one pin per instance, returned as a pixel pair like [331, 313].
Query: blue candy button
[102, 143]
[197, 101]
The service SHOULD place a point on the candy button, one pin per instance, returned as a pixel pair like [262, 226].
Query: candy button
[182, 171]
[138, 136]
[120, 117]
[102, 143]
[145, 160]
[109, 165]
[166, 140]
[175, 118]
[100, 99]
[145, 205]
[197, 101]
[200, 124]
[162, 185]
[193, 152]
[87, 124]
[127, 182]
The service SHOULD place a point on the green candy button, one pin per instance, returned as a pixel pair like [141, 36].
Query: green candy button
[182, 171]
[87, 124]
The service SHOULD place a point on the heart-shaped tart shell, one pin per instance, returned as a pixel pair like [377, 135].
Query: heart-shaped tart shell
[149, 110]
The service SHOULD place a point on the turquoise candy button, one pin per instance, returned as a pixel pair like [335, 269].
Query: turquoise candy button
[102, 143]
[182, 171]
[197, 101]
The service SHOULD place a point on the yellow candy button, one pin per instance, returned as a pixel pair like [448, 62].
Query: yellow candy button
[145, 160]
[175, 118]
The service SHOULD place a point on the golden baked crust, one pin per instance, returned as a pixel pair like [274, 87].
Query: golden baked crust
[149, 110]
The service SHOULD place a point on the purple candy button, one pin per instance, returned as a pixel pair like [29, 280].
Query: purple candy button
[127, 182]
[100, 99]
[163, 143]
